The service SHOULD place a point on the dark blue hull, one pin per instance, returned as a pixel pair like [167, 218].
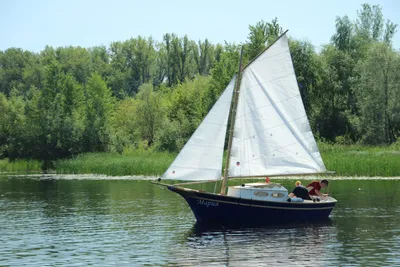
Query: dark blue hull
[217, 209]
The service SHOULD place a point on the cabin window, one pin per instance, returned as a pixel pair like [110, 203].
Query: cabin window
[278, 195]
[261, 194]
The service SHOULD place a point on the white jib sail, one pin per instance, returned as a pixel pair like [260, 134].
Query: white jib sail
[272, 135]
[201, 157]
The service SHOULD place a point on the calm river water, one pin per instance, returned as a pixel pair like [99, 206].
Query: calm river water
[92, 220]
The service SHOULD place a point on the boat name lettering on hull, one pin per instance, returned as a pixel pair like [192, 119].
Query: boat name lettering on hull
[207, 203]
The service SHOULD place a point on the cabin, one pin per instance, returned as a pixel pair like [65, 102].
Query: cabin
[259, 191]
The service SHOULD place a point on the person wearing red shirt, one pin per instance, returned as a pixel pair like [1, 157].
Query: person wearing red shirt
[315, 187]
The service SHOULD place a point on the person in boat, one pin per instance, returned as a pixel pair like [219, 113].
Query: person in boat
[315, 187]
[300, 191]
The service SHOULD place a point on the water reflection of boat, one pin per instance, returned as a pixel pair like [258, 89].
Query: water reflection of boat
[269, 136]
[199, 229]
[294, 244]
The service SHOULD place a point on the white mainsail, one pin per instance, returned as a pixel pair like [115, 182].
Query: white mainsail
[272, 135]
[201, 157]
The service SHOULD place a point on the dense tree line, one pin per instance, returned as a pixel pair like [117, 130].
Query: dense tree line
[69, 100]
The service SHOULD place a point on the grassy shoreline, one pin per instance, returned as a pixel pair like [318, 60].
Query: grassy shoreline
[351, 160]
[114, 164]
[20, 165]
[356, 160]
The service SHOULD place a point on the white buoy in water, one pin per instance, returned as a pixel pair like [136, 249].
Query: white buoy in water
[359, 189]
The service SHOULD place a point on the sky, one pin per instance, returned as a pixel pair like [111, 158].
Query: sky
[32, 25]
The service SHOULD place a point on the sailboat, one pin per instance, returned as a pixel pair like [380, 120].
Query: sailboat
[269, 136]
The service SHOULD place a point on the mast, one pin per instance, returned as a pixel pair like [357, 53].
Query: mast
[234, 108]
[232, 126]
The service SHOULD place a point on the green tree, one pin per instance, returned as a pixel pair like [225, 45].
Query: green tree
[19, 69]
[55, 124]
[140, 54]
[132, 64]
[334, 103]
[370, 22]
[75, 61]
[306, 69]
[203, 56]
[390, 31]
[223, 71]
[260, 34]
[343, 38]
[186, 106]
[378, 91]
[123, 124]
[160, 66]
[98, 109]
[179, 59]
[149, 113]
[4, 124]
[12, 120]
[100, 61]
[118, 79]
